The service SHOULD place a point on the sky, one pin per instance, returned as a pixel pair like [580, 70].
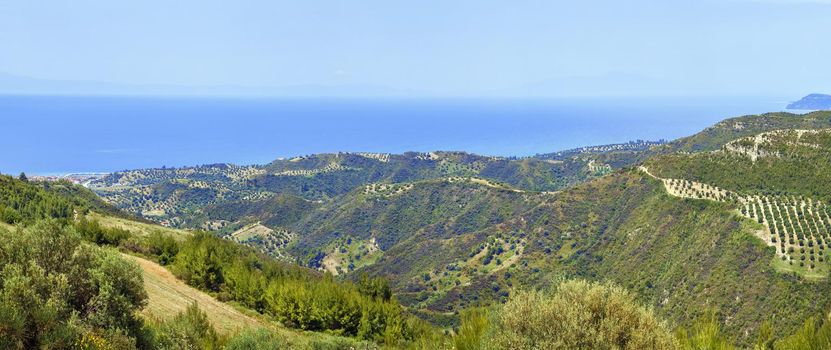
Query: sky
[420, 48]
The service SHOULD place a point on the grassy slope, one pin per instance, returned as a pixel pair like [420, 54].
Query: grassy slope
[682, 256]
[691, 255]
[168, 296]
[432, 209]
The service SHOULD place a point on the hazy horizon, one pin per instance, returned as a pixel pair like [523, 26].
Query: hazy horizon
[64, 134]
[418, 49]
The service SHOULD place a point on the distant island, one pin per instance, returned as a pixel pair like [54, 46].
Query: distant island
[812, 102]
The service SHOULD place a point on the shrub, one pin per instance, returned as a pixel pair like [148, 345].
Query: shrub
[259, 339]
[58, 292]
[190, 329]
[577, 314]
[163, 246]
[704, 334]
[474, 323]
[810, 336]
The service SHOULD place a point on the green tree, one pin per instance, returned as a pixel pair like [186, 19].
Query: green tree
[190, 329]
[577, 315]
[705, 334]
[54, 289]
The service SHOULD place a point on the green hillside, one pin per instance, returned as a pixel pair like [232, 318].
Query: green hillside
[733, 221]
[716, 136]
[212, 196]
[783, 162]
[64, 286]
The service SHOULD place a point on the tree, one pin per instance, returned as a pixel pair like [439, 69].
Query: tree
[22, 177]
[704, 334]
[577, 314]
[189, 329]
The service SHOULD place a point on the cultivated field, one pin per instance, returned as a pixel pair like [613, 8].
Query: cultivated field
[798, 228]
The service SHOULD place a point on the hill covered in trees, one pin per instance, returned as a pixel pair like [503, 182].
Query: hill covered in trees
[727, 228]
[213, 196]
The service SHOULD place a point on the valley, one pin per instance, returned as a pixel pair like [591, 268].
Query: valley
[733, 219]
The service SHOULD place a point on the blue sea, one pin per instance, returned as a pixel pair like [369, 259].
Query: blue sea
[62, 134]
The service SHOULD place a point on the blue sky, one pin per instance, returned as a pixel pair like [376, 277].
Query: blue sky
[427, 47]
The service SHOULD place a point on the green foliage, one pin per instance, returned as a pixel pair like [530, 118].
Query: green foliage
[259, 339]
[375, 288]
[189, 329]
[164, 247]
[22, 201]
[575, 315]
[92, 231]
[766, 337]
[705, 334]
[25, 202]
[295, 296]
[810, 337]
[474, 324]
[56, 291]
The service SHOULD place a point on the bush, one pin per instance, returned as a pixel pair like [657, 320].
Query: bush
[57, 292]
[474, 323]
[92, 231]
[577, 314]
[810, 336]
[704, 334]
[189, 329]
[163, 246]
[259, 339]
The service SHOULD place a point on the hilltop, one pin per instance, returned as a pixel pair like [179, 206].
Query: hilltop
[812, 102]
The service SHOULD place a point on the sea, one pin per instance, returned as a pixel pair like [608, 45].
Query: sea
[52, 135]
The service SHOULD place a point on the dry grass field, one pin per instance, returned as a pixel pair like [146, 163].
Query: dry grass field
[168, 296]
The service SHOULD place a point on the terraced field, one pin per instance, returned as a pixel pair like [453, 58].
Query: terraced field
[311, 172]
[798, 227]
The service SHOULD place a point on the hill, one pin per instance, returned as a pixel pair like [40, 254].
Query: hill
[168, 296]
[729, 219]
[716, 136]
[812, 102]
[61, 251]
[213, 196]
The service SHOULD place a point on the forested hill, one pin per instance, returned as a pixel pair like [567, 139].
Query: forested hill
[714, 137]
[730, 225]
[63, 286]
[22, 201]
[178, 196]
